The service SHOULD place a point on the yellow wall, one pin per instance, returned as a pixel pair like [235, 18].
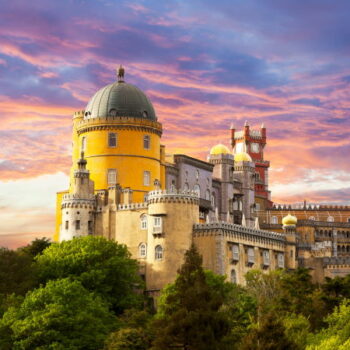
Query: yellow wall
[59, 196]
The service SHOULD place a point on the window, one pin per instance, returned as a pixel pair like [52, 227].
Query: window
[158, 252]
[144, 222]
[280, 260]
[112, 139]
[77, 224]
[274, 220]
[90, 227]
[235, 252]
[186, 187]
[233, 276]
[146, 178]
[330, 219]
[197, 189]
[213, 200]
[146, 142]
[83, 144]
[157, 224]
[266, 258]
[113, 112]
[197, 174]
[142, 250]
[257, 207]
[67, 225]
[112, 176]
[251, 256]
[207, 195]
[312, 218]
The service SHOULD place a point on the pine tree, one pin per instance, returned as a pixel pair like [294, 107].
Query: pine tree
[191, 317]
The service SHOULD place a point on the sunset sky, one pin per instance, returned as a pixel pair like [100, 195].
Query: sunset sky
[204, 64]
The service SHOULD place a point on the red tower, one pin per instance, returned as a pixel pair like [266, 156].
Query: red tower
[253, 141]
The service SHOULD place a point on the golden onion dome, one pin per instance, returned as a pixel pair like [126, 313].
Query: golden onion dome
[242, 157]
[219, 149]
[289, 220]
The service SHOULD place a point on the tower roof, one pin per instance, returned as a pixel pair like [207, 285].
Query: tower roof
[219, 149]
[120, 99]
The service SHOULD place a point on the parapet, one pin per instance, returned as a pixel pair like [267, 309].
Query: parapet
[132, 206]
[162, 196]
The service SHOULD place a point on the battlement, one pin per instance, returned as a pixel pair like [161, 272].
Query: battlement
[132, 206]
[234, 228]
[309, 206]
[173, 196]
[118, 122]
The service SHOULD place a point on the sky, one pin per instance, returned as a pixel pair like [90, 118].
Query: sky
[204, 64]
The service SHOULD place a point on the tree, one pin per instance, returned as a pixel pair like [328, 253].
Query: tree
[268, 335]
[101, 265]
[17, 275]
[191, 318]
[60, 315]
[337, 334]
[36, 247]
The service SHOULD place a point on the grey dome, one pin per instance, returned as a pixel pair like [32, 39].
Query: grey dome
[120, 99]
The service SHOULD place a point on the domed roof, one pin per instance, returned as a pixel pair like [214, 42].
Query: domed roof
[219, 149]
[242, 157]
[289, 220]
[120, 99]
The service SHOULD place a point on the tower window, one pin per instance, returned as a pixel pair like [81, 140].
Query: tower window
[144, 222]
[83, 144]
[158, 252]
[67, 225]
[142, 250]
[112, 139]
[77, 224]
[146, 142]
[146, 178]
[112, 176]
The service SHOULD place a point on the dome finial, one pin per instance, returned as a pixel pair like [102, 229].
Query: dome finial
[121, 72]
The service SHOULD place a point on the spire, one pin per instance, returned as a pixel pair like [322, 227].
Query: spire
[246, 123]
[262, 126]
[232, 127]
[82, 162]
[120, 74]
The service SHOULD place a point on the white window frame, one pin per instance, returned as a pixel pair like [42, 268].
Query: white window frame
[251, 255]
[146, 178]
[146, 142]
[158, 252]
[157, 224]
[144, 222]
[266, 257]
[110, 137]
[280, 260]
[274, 220]
[111, 176]
[143, 250]
[330, 219]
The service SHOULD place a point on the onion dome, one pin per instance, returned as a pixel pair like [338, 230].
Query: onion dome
[289, 220]
[120, 99]
[242, 157]
[219, 149]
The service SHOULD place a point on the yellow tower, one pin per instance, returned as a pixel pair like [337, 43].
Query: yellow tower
[120, 136]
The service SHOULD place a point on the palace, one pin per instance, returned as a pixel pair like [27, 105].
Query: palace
[124, 187]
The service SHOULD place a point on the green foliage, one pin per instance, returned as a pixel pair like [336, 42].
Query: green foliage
[135, 333]
[337, 335]
[17, 275]
[61, 315]
[36, 247]
[297, 328]
[101, 265]
[191, 316]
[269, 334]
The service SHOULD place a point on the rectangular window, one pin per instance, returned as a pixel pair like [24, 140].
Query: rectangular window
[77, 224]
[157, 224]
[146, 178]
[251, 256]
[112, 139]
[235, 252]
[112, 176]
[266, 258]
[67, 225]
[89, 227]
[146, 142]
[280, 260]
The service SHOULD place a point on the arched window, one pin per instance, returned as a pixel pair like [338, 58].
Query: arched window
[158, 252]
[312, 218]
[274, 220]
[207, 195]
[112, 139]
[144, 222]
[197, 174]
[197, 189]
[233, 276]
[142, 250]
[186, 187]
[330, 219]
[213, 200]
